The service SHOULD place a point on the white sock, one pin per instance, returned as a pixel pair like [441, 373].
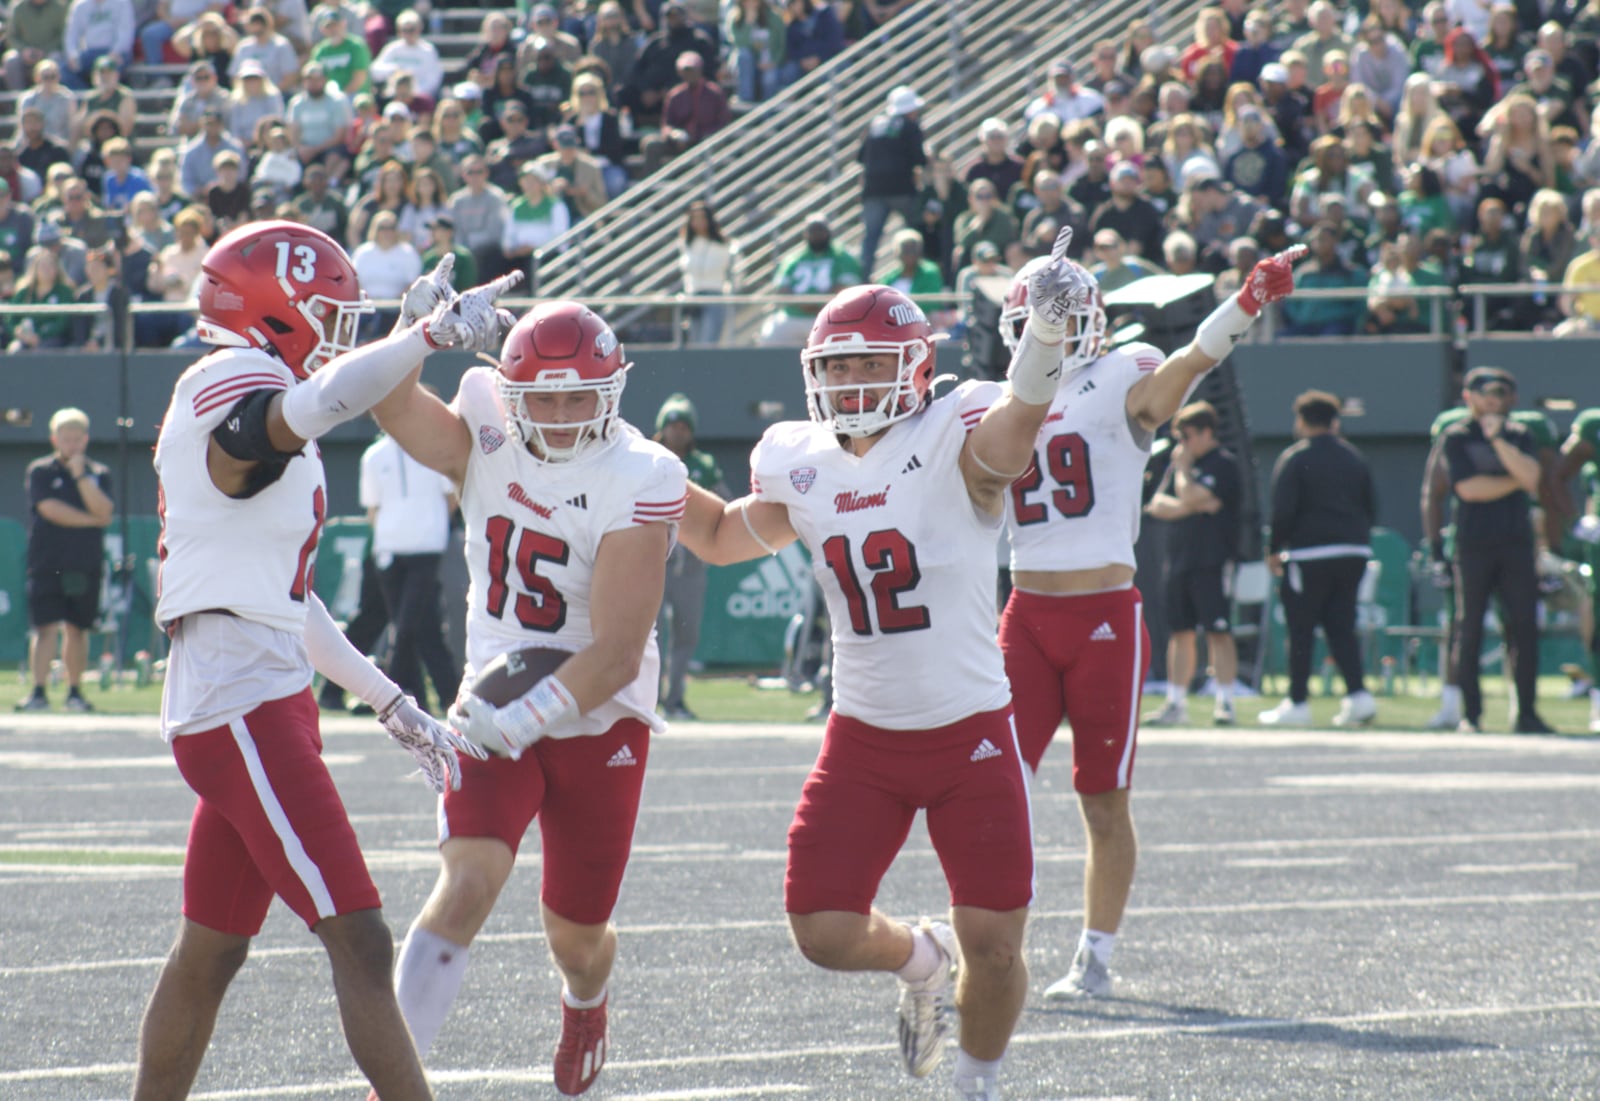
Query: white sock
[568, 997]
[427, 978]
[971, 1072]
[1450, 698]
[925, 958]
[1101, 944]
[1594, 698]
[1175, 693]
[1224, 693]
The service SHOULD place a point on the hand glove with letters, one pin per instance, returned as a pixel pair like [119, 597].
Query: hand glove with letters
[431, 743]
[471, 321]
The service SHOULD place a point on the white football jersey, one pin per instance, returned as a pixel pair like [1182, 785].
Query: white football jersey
[250, 556]
[1078, 506]
[533, 530]
[906, 561]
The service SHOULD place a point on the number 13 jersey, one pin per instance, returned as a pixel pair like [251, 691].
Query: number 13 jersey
[1078, 505]
[904, 558]
[533, 530]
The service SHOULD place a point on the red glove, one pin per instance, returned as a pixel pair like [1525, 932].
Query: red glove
[1270, 280]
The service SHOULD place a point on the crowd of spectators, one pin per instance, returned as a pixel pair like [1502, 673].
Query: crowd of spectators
[1408, 144]
[344, 115]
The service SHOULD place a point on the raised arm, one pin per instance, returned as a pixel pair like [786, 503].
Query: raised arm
[1154, 399]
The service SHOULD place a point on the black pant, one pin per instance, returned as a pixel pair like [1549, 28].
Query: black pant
[1322, 593]
[1507, 571]
[411, 590]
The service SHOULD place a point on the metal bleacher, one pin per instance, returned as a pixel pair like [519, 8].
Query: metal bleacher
[796, 154]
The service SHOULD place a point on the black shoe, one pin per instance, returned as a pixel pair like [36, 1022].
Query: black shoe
[1531, 724]
[76, 702]
[36, 702]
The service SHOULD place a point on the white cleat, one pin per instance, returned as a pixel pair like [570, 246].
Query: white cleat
[1088, 978]
[1356, 710]
[1287, 713]
[925, 1006]
[1171, 713]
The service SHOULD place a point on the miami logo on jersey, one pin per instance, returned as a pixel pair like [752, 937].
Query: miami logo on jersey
[851, 501]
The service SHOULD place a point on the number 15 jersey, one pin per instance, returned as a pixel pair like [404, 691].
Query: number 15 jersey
[904, 558]
[1078, 505]
[533, 530]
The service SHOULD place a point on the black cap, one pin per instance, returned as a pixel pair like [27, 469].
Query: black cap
[1481, 377]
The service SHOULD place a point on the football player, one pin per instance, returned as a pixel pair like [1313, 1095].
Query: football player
[899, 496]
[1579, 455]
[569, 517]
[1073, 630]
[242, 498]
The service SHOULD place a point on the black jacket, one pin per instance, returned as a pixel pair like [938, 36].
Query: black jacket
[1322, 496]
[891, 152]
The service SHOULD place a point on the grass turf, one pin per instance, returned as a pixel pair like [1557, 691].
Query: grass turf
[739, 698]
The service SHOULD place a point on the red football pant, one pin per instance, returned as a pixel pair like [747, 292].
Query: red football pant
[1083, 658]
[269, 821]
[868, 784]
[584, 791]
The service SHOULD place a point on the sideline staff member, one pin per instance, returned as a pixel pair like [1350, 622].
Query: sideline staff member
[1494, 473]
[1201, 492]
[69, 506]
[1323, 508]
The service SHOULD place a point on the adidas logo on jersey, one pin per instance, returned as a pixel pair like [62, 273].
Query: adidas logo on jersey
[1103, 633]
[914, 464]
[580, 501]
[985, 750]
[1086, 387]
[622, 758]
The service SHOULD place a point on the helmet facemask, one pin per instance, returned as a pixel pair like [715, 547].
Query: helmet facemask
[900, 399]
[590, 431]
[343, 335]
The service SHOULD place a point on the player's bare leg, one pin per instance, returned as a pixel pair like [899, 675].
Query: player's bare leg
[361, 956]
[1113, 850]
[474, 871]
[1180, 672]
[842, 940]
[183, 1010]
[583, 953]
[1225, 667]
[990, 990]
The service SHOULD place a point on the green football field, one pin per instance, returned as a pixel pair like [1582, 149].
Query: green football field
[742, 698]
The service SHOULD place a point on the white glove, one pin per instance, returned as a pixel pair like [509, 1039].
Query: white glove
[427, 292]
[1058, 289]
[507, 731]
[430, 742]
[471, 321]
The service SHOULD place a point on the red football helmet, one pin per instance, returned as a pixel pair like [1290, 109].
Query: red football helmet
[1086, 340]
[561, 347]
[861, 321]
[284, 287]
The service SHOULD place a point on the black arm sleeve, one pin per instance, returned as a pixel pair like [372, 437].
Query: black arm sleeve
[243, 432]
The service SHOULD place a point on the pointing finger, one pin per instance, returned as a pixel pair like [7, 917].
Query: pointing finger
[1292, 255]
[445, 271]
[1063, 242]
[503, 284]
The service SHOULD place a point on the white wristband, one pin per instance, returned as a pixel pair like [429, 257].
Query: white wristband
[525, 720]
[1222, 328]
[1036, 366]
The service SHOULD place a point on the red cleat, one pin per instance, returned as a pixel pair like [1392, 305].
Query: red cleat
[582, 1050]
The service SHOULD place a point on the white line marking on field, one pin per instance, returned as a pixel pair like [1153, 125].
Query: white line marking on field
[1289, 862]
[1075, 1036]
[43, 762]
[1513, 869]
[1444, 781]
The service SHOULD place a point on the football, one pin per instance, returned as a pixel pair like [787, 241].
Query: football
[510, 676]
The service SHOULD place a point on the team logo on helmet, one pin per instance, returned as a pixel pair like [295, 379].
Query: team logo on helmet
[906, 313]
[803, 478]
[605, 342]
[490, 439]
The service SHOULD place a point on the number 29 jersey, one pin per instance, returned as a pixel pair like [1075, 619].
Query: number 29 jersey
[533, 531]
[904, 558]
[1078, 505]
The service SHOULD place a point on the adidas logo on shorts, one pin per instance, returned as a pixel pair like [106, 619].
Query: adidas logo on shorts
[622, 758]
[1103, 633]
[985, 750]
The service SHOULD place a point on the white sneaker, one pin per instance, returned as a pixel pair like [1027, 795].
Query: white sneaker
[1088, 978]
[1223, 714]
[1594, 722]
[1446, 718]
[1287, 713]
[925, 1006]
[1356, 710]
[1171, 713]
[979, 1089]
